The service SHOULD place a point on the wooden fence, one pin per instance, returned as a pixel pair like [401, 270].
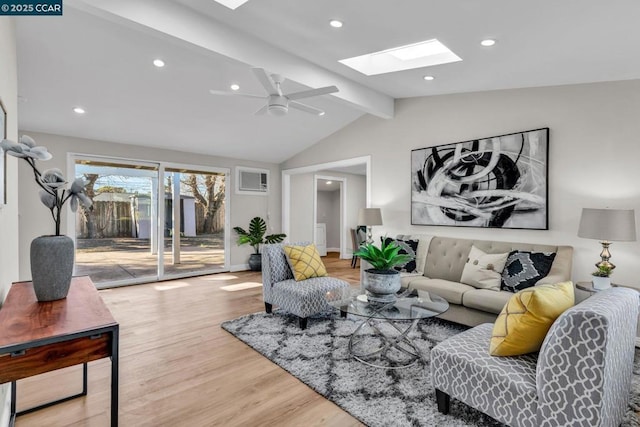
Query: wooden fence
[113, 219]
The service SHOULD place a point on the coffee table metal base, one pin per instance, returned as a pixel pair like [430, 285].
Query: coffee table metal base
[399, 342]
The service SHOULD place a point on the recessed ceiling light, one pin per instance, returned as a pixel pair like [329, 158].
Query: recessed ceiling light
[234, 87]
[428, 78]
[335, 23]
[329, 182]
[321, 113]
[232, 4]
[488, 42]
[79, 110]
[408, 57]
[158, 63]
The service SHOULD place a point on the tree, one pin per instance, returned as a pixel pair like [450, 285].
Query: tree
[208, 190]
[88, 215]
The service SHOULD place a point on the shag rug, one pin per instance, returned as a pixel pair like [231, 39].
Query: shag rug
[319, 357]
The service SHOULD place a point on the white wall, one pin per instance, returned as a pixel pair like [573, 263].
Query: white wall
[301, 223]
[9, 212]
[594, 147]
[35, 218]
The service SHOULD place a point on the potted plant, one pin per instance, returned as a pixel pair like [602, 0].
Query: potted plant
[382, 281]
[601, 277]
[52, 255]
[255, 237]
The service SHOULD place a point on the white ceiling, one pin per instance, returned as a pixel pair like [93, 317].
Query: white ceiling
[98, 55]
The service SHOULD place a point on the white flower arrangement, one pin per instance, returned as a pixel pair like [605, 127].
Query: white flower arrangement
[52, 182]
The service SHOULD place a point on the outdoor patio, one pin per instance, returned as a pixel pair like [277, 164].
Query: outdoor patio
[114, 259]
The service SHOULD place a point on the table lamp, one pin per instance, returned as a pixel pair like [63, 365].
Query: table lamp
[369, 217]
[607, 225]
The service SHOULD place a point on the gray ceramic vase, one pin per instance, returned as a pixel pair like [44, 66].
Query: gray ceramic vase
[382, 284]
[51, 266]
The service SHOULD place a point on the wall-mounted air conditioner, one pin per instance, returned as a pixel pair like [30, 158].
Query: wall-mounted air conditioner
[252, 181]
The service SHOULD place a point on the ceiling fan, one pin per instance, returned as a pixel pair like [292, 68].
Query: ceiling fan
[278, 103]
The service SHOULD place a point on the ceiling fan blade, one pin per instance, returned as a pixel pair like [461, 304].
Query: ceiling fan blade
[265, 80]
[306, 108]
[246, 95]
[312, 92]
[262, 111]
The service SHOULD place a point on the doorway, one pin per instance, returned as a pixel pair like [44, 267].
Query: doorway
[299, 209]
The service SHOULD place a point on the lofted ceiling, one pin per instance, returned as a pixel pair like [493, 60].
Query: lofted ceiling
[99, 55]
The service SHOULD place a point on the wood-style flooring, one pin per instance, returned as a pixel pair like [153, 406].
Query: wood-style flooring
[179, 368]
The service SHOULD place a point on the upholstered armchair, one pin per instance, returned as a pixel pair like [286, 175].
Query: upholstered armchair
[303, 298]
[580, 377]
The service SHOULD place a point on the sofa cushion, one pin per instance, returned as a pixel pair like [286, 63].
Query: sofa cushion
[450, 291]
[407, 247]
[407, 278]
[524, 269]
[524, 322]
[483, 270]
[486, 300]
[305, 262]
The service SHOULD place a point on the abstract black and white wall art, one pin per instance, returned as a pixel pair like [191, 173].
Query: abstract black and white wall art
[497, 182]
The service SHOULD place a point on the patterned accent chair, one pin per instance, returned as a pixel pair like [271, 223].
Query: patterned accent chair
[303, 298]
[580, 377]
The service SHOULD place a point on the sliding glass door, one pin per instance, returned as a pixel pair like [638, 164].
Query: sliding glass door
[139, 231]
[194, 221]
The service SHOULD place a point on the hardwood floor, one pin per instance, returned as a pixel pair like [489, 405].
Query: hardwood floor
[179, 368]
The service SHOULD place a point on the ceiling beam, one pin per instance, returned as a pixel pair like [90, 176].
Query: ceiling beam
[179, 22]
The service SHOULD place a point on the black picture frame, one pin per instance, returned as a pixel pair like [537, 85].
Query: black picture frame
[495, 182]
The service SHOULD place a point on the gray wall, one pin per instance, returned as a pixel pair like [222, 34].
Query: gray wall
[9, 212]
[35, 219]
[594, 143]
[328, 212]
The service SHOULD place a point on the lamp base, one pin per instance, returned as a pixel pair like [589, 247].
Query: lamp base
[606, 256]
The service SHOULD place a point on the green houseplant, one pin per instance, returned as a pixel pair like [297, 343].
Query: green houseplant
[255, 237]
[382, 281]
[601, 277]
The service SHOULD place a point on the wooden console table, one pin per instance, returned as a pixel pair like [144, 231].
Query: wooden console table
[38, 337]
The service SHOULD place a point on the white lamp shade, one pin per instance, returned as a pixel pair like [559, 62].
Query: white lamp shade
[370, 216]
[608, 224]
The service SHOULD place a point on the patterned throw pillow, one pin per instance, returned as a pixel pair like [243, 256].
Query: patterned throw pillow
[407, 247]
[305, 262]
[525, 320]
[524, 269]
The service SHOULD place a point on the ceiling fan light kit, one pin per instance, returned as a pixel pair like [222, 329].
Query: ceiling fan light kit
[278, 103]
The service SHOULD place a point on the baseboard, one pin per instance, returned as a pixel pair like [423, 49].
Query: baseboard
[333, 249]
[638, 342]
[5, 406]
[239, 267]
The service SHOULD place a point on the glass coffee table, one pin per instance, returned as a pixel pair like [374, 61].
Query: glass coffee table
[389, 345]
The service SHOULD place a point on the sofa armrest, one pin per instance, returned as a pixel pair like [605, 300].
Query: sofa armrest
[585, 364]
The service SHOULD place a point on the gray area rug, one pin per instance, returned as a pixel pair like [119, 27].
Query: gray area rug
[319, 358]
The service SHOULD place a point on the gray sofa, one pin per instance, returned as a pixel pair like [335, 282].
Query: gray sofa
[440, 261]
[580, 377]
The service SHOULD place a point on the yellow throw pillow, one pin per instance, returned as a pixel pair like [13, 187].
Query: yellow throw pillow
[525, 320]
[305, 262]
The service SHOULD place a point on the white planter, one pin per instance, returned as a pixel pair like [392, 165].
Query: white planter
[601, 282]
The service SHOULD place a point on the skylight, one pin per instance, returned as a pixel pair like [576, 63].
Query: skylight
[232, 4]
[416, 55]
